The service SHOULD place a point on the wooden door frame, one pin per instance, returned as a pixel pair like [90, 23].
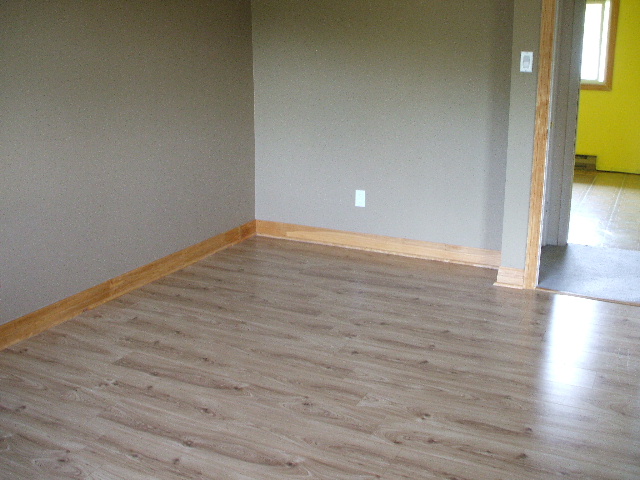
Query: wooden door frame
[540, 142]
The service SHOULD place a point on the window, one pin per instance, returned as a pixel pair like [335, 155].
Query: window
[598, 44]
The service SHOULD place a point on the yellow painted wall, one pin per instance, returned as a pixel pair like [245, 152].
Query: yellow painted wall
[609, 121]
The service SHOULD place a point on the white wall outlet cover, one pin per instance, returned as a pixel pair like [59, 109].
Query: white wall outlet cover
[360, 198]
[526, 62]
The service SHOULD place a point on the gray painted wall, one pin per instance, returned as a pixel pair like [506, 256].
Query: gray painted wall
[127, 134]
[127, 128]
[526, 37]
[408, 100]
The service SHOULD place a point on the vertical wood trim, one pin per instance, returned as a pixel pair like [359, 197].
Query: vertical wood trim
[56, 313]
[541, 142]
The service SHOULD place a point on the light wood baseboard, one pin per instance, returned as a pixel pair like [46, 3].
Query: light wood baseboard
[54, 314]
[510, 277]
[377, 243]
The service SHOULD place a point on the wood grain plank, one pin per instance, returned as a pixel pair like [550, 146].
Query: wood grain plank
[276, 359]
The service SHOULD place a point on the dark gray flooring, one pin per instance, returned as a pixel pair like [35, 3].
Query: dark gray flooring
[604, 273]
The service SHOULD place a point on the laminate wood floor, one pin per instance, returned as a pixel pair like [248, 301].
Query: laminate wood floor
[282, 360]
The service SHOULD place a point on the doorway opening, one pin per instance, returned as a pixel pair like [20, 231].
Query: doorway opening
[591, 222]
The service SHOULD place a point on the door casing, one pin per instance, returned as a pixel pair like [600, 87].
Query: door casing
[565, 95]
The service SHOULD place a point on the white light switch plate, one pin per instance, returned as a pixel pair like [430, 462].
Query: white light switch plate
[360, 198]
[526, 62]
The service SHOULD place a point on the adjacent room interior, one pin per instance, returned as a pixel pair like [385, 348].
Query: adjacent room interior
[177, 179]
[599, 254]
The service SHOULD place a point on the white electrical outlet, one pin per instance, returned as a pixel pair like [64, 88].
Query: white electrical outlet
[360, 198]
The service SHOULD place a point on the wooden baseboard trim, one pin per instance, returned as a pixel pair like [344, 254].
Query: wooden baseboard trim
[510, 277]
[54, 314]
[377, 243]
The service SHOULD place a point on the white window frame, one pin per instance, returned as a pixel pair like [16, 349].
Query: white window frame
[602, 55]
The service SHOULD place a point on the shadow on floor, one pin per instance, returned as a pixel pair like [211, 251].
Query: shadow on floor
[603, 273]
